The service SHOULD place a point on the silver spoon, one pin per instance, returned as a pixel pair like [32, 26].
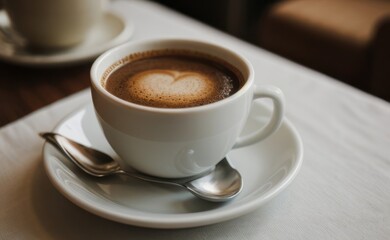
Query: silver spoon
[218, 185]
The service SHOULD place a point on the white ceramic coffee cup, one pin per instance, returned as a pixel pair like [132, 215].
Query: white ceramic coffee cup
[179, 142]
[53, 23]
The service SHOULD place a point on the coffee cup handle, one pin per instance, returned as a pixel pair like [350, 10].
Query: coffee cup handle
[277, 97]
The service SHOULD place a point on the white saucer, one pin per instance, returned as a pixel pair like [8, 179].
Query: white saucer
[267, 168]
[113, 30]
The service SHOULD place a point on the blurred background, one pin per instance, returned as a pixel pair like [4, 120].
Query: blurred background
[345, 39]
[348, 40]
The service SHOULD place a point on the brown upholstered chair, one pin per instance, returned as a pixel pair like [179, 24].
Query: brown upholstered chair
[346, 39]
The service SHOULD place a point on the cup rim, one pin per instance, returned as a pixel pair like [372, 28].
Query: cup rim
[95, 78]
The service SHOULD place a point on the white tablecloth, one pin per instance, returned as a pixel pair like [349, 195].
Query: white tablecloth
[342, 191]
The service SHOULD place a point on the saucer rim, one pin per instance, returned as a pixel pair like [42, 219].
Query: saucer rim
[173, 220]
[72, 57]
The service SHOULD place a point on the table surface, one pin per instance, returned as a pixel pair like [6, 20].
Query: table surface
[25, 89]
[341, 192]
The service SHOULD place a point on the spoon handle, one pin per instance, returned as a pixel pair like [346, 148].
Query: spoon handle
[170, 181]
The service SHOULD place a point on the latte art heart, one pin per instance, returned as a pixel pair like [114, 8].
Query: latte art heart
[169, 86]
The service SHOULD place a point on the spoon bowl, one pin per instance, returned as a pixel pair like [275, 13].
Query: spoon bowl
[217, 185]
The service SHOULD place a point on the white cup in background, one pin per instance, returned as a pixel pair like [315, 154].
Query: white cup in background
[53, 23]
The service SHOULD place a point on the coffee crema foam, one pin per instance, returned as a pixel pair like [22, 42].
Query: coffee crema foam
[173, 79]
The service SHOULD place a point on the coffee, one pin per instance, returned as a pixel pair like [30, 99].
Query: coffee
[172, 79]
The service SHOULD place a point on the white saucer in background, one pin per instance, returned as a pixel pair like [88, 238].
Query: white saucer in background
[267, 168]
[113, 30]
